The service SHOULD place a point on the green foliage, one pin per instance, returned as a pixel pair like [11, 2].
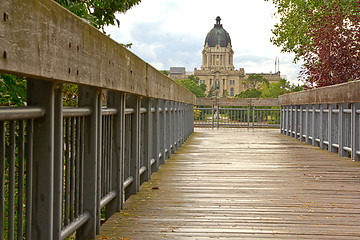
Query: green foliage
[211, 92]
[249, 93]
[12, 90]
[191, 86]
[293, 31]
[225, 94]
[99, 13]
[255, 80]
[166, 73]
[272, 90]
[70, 95]
[203, 87]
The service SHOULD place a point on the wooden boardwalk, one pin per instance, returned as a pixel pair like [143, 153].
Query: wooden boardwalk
[244, 184]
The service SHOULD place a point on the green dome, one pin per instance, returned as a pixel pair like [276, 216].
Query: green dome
[218, 35]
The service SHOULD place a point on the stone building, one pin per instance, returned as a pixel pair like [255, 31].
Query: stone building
[217, 69]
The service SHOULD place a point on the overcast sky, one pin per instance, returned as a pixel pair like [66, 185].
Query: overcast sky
[171, 33]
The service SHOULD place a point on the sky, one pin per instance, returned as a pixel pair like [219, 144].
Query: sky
[171, 33]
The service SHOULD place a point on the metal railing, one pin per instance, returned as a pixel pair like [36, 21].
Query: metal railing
[326, 117]
[334, 127]
[65, 170]
[236, 117]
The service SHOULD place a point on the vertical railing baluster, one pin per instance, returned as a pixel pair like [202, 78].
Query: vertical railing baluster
[29, 177]
[11, 196]
[67, 171]
[82, 165]
[77, 166]
[72, 167]
[2, 178]
[20, 211]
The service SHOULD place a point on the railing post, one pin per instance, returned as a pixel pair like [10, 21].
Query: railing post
[156, 135]
[301, 122]
[162, 131]
[290, 132]
[171, 127]
[167, 130]
[91, 97]
[330, 128]
[176, 126]
[307, 120]
[322, 121]
[134, 102]
[296, 122]
[58, 161]
[41, 93]
[341, 129]
[313, 127]
[212, 116]
[117, 100]
[217, 116]
[253, 117]
[182, 122]
[355, 131]
[147, 151]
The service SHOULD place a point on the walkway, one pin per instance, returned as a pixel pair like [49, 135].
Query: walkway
[244, 184]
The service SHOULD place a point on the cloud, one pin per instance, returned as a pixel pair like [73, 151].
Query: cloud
[169, 33]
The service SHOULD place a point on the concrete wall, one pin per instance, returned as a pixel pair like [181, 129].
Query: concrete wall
[40, 39]
[340, 93]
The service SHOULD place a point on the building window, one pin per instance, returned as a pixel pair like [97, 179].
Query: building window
[210, 82]
[223, 81]
[217, 84]
[231, 92]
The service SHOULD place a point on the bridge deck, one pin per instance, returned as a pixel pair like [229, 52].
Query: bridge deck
[244, 184]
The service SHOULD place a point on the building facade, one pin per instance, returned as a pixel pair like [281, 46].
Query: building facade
[217, 69]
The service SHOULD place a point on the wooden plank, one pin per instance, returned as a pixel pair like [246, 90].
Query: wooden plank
[340, 93]
[240, 184]
[42, 40]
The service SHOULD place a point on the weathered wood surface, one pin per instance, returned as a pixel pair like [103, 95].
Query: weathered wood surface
[340, 93]
[256, 102]
[244, 184]
[40, 39]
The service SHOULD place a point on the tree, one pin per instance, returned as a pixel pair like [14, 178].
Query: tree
[191, 86]
[225, 94]
[255, 81]
[12, 90]
[249, 93]
[99, 13]
[166, 73]
[293, 31]
[211, 92]
[333, 56]
[274, 90]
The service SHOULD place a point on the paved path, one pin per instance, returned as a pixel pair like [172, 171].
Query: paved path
[244, 184]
